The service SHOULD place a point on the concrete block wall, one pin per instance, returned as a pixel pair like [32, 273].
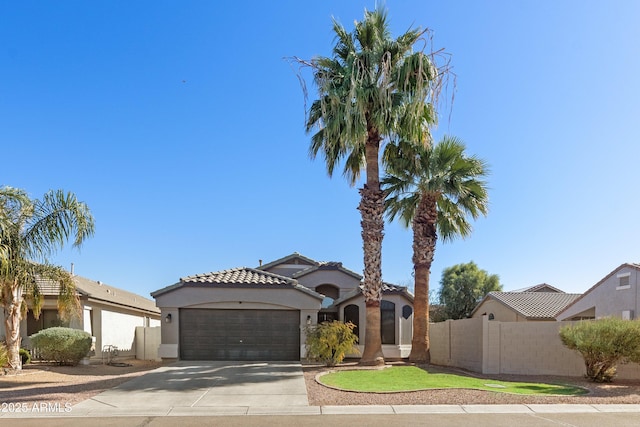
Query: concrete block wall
[439, 342]
[522, 348]
[457, 343]
[535, 348]
[466, 344]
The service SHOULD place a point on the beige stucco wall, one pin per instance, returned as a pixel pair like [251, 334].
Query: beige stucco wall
[121, 330]
[344, 282]
[147, 343]
[608, 299]
[500, 312]
[403, 327]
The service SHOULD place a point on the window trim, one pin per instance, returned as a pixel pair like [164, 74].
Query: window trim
[622, 276]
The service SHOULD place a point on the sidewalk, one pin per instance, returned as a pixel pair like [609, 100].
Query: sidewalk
[185, 411]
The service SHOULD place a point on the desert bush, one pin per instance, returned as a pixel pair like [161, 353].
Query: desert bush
[603, 344]
[329, 342]
[4, 355]
[65, 346]
[25, 356]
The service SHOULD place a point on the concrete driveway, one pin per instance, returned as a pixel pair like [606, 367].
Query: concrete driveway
[229, 387]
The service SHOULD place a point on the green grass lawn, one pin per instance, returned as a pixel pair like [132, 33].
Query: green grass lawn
[411, 378]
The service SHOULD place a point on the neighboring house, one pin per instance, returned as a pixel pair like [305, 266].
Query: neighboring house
[537, 303]
[616, 295]
[108, 313]
[261, 313]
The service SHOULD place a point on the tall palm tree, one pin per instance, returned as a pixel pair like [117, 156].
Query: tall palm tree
[372, 88]
[30, 231]
[434, 189]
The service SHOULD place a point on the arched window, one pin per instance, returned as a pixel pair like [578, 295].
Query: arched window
[331, 292]
[388, 322]
[352, 314]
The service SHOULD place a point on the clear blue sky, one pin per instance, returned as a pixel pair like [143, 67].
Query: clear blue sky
[181, 126]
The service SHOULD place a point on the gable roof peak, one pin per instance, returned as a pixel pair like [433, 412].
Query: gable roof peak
[542, 287]
[294, 256]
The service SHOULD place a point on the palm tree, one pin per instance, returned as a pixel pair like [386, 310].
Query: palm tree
[30, 231]
[433, 189]
[372, 88]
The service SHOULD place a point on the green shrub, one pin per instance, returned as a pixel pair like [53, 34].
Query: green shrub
[62, 345]
[603, 344]
[329, 342]
[25, 356]
[4, 355]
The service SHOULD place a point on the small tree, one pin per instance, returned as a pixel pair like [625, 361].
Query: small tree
[463, 286]
[330, 342]
[30, 232]
[603, 344]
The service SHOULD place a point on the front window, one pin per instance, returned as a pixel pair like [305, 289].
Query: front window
[352, 314]
[330, 292]
[388, 322]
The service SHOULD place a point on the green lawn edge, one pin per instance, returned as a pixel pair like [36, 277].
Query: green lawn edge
[579, 391]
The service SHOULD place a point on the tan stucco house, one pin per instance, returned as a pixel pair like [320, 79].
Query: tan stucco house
[260, 313]
[615, 295]
[537, 303]
[109, 314]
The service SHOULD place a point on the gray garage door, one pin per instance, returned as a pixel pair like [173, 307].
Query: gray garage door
[207, 334]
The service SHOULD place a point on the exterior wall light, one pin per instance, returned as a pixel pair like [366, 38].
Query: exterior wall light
[308, 320]
[168, 318]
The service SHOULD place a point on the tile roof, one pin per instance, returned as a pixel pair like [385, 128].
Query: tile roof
[100, 291]
[327, 265]
[104, 292]
[387, 288]
[309, 265]
[534, 305]
[288, 258]
[239, 277]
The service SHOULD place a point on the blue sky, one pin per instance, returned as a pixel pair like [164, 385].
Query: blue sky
[181, 125]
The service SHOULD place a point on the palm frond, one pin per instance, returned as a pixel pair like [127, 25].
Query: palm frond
[371, 82]
[442, 170]
[57, 218]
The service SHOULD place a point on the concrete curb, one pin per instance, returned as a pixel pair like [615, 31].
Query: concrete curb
[182, 411]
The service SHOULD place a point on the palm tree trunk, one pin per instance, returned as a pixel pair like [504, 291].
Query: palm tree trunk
[424, 245]
[12, 319]
[372, 210]
[372, 224]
